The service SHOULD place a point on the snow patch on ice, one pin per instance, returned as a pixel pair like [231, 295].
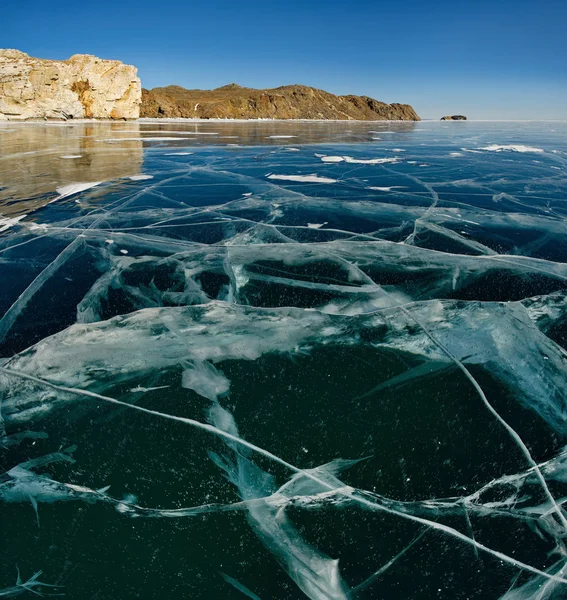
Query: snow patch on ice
[313, 178]
[39, 226]
[384, 188]
[511, 148]
[74, 188]
[316, 225]
[6, 223]
[140, 177]
[358, 161]
[331, 159]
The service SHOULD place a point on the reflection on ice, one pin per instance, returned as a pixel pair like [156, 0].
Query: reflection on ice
[36, 160]
[320, 372]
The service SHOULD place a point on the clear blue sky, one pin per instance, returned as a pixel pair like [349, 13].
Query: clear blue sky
[486, 59]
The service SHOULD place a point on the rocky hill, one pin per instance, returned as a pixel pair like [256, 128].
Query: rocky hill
[286, 102]
[83, 86]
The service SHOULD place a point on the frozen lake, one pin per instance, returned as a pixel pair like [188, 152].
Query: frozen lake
[284, 360]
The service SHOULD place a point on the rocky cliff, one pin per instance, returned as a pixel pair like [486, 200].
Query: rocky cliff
[287, 102]
[83, 86]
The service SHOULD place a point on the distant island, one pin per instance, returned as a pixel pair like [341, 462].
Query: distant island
[454, 118]
[85, 86]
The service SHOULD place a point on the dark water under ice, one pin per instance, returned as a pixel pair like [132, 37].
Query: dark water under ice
[283, 360]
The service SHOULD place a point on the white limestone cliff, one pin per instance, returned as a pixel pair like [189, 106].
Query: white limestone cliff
[82, 87]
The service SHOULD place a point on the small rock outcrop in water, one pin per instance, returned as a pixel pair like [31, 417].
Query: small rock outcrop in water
[288, 102]
[83, 86]
[454, 118]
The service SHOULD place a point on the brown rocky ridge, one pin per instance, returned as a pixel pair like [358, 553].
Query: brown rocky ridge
[287, 102]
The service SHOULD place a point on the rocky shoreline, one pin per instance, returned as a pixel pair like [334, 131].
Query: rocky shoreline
[87, 87]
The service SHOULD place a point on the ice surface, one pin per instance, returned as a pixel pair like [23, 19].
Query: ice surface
[217, 383]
